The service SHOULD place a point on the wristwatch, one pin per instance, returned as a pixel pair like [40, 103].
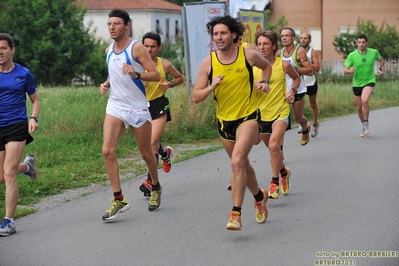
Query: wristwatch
[138, 75]
[35, 118]
[264, 81]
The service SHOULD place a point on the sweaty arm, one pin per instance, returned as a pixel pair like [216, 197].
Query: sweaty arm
[201, 88]
[34, 98]
[316, 62]
[302, 59]
[142, 55]
[254, 58]
[171, 70]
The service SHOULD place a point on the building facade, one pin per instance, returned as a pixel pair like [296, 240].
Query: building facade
[325, 19]
[147, 15]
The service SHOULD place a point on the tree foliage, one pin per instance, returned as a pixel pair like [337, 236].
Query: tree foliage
[278, 27]
[384, 38]
[181, 2]
[51, 38]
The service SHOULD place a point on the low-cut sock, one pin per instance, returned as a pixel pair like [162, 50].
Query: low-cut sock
[259, 197]
[275, 180]
[156, 187]
[236, 209]
[162, 151]
[118, 195]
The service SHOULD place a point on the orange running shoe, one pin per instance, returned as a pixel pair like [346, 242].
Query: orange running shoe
[285, 182]
[234, 221]
[167, 161]
[274, 191]
[261, 212]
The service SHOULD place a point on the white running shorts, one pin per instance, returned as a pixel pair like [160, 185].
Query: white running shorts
[134, 118]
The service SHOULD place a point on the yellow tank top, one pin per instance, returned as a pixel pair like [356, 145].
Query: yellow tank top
[244, 44]
[234, 98]
[273, 104]
[153, 89]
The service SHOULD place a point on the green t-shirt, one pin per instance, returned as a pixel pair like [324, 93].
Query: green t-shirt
[364, 66]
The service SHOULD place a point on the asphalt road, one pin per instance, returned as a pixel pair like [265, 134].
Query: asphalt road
[343, 201]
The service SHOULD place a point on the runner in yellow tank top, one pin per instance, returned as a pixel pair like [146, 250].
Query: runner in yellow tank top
[154, 90]
[274, 105]
[275, 109]
[159, 104]
[238, 75]
[228, 75]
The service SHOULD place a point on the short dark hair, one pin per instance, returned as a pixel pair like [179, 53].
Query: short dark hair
[120, 13]
[8, 38]
[234, 24]
[291, 30]
[361, 36]
[153, 36]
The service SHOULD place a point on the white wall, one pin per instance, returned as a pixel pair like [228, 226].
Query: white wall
[99, 23]
[142, 22]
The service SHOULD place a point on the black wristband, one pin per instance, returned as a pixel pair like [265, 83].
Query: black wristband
[35, 118]
[264, 81]
[380, 68]
[138, 75]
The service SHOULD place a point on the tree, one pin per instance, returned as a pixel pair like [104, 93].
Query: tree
[52, 39]
[385, 39]
[278, 27]
[181, 2]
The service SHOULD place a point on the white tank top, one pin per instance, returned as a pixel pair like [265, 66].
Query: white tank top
[302, 87]
[125, 92]
[310, 80]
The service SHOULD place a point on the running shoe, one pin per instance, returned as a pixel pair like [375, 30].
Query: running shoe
[155, 199]
[367, 128]
[146, 187]
[363, 132]
[261, 212]
[315, 130]
[285, 182]
[31, 161]
[118, 206]
[274, 191]
[305, 137]
[234, 221]
[7, 228]
[167, 161]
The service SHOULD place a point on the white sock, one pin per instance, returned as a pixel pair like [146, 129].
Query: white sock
[28, 166]
[11, 219]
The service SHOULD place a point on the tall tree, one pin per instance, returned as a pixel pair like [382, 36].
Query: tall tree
[52, 39]
[384, 38]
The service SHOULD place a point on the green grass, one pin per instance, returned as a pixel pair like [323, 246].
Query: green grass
[69, 140]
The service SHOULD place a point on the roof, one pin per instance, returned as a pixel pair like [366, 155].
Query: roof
[130, 5]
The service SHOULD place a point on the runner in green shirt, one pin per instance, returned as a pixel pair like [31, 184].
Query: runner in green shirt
[360, 63]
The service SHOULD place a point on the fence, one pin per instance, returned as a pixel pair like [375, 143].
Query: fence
[391, 67]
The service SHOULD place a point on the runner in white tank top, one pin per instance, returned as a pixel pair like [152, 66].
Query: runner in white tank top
[125, 91]
[297, 57]
[311, 81]
[128, 65]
